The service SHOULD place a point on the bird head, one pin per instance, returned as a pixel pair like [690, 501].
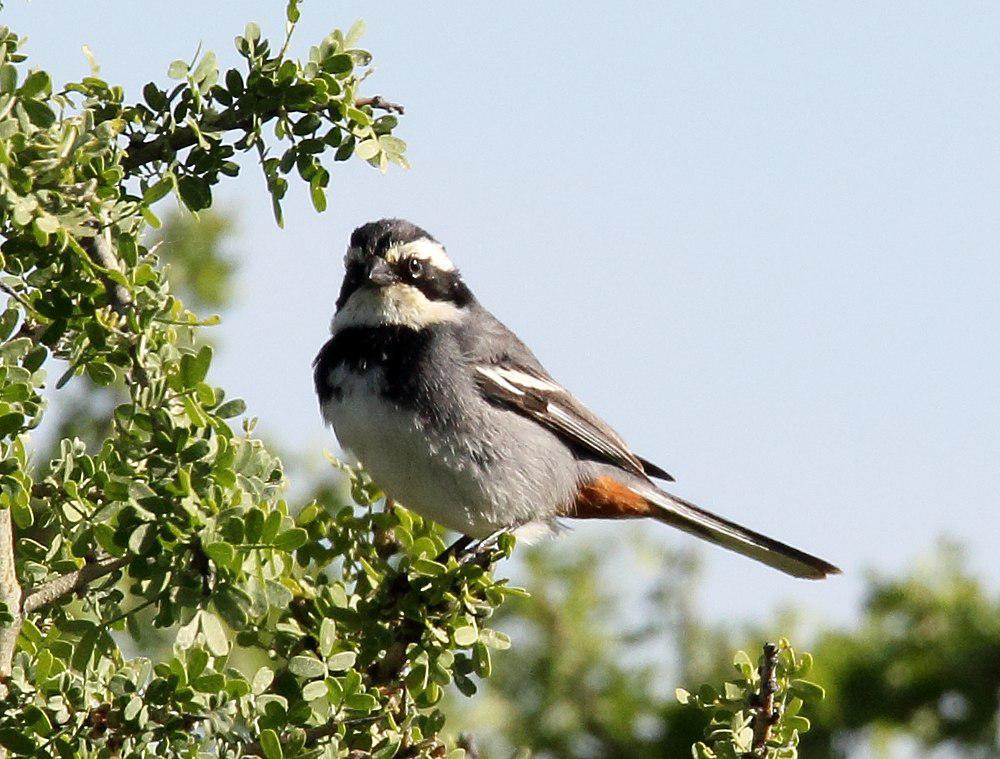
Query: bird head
[396, 273]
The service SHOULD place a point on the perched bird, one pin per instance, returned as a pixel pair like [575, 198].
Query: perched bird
[454, 417]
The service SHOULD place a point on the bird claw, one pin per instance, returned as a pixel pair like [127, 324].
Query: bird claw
[467, 550]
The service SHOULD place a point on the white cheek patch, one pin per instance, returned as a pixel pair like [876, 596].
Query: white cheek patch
[398, 304]
[430, 252]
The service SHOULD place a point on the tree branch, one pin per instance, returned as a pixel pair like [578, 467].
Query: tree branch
[100, 250]
[392, 664]
[377, 101]
[764, 714]
[10, 594]
[53, 590]
[146, 151]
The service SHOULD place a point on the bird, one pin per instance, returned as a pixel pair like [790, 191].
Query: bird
[455, 418]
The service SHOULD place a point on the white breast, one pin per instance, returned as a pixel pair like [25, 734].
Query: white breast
[425, 471]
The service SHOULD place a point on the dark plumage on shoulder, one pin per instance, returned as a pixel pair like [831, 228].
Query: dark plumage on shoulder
[374, 237]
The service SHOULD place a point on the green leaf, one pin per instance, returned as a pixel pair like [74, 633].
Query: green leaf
[221, 553]
[354, 33]
[362, 702]
[16, 741]
[215, 634]
[194, 367]
[11, 423]
[307, 667]
[340, 662]
[315, 689]
[38, 720]
[157, 191]
[22, 513]
[84, 650]
[318, 196]
[8, 79]
[466, 636]
[271, 526]
[141, 539]
[154, 96]
[195, 192]
[327, 636]
[133, 708]
[38, 82]
[808, 691]
[212, 682]
[339, 64]
[197, 661]
[262, 680]
[39, 113]
[367, 149]
[291, 539]
[177, 70]
[233, 605]
[101, 374]
[270, 745]
[207, 67]
[797, 722]
[232, 408]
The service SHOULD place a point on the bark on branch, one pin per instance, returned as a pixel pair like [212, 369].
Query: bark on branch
[146, 151]
[10, 594]
[102, 252]
[764, 714]
[72, 582]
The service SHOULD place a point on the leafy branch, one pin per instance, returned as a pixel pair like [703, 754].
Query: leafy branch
[757, 714]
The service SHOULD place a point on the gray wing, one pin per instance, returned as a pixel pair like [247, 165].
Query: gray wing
[509, 374]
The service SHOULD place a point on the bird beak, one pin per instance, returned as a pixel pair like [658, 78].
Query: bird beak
[379, 273]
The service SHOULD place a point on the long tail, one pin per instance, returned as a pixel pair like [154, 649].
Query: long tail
[704, 524]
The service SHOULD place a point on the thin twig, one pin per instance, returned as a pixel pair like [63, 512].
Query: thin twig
[141, 152]
[764, 714]
[72, 582]
[379, 102]
[17, 296]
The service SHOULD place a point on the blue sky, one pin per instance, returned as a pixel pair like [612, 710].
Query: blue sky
[760, 239]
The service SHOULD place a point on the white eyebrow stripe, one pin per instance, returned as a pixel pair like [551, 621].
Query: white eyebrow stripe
[426, 250]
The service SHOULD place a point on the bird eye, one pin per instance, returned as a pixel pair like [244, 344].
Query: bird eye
[415, 267]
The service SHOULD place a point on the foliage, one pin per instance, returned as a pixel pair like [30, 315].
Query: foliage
[587, 679]
[172, 512]
[756, 713]
[925, 660]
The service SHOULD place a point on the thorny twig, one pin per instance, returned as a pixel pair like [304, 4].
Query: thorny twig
[765, 714]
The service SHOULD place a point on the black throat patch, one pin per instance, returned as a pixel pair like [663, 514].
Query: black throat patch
[394, 351]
